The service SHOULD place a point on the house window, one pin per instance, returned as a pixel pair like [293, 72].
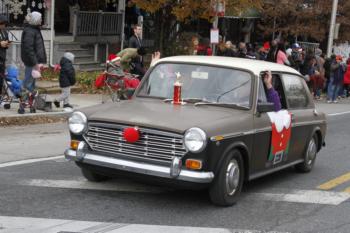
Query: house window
[16, 10]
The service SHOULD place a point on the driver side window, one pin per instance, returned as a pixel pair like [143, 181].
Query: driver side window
[278, 86]
[261, 93]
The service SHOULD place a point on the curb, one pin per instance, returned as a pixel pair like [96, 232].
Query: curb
[33, 118]
[57, 90]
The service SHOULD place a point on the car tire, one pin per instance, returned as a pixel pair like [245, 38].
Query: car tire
[309, 156]
[93, 176]
[228, 182]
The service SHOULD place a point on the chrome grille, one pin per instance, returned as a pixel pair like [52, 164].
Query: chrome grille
[153, 145]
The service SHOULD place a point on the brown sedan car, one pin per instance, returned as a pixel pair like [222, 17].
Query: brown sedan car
[201, 122]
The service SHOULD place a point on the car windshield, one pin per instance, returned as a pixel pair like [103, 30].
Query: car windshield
[201, 82]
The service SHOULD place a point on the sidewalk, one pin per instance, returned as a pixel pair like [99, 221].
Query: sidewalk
[78, 101]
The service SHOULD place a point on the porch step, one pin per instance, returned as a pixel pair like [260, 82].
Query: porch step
[83, 58]
[89, 66]
[79, 52]
[84, 55]
[69, 45]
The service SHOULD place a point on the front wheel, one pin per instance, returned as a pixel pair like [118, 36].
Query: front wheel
[93, 176]
[309, 157]
[228, 183]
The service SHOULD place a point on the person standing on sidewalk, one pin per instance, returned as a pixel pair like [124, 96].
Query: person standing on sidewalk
[337, 77]
[347, 79]
[135, 41]
[33, 52]
[67, 79]
[4, 44]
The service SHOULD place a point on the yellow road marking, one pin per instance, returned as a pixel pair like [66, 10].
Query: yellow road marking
[347, 190]
[335, 182]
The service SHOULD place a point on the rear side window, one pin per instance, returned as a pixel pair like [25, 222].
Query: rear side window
[295, 92]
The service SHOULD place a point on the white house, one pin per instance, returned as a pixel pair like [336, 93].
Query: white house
[88, 28]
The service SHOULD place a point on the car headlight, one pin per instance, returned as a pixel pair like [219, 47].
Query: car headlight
[195, 140]
[77, 123]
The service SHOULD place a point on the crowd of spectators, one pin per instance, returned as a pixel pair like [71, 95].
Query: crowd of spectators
[327, 78]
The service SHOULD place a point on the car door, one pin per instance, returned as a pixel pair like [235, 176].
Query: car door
[301, 107]
[262, 158]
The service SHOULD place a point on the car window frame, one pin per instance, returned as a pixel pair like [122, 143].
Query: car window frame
[274, 73]
[149, 71]
[310, 103]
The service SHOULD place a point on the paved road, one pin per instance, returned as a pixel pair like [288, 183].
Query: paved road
[52, 196]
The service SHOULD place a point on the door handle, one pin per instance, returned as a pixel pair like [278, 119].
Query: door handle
[292, 117]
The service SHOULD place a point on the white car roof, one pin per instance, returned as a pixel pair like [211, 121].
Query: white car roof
[255, 66]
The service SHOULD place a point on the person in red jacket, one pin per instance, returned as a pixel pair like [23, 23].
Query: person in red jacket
[347, 78]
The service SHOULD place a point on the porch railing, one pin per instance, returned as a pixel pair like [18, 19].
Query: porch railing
[97, 24]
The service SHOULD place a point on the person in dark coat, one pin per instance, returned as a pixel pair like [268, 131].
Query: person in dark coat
[4, 44]
[135, 41]
[33, 52]
[67, 79]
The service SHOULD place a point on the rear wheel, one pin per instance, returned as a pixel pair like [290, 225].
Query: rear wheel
[93, 176]
[228, 183]
[309, 157]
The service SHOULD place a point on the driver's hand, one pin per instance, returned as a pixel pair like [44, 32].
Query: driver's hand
[268, 79]
[155, 57]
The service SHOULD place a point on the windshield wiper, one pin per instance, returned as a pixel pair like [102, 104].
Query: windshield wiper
[233, 89]
[223, 105]
[189, 100]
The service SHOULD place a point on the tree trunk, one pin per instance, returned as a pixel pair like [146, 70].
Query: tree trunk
[161, 34]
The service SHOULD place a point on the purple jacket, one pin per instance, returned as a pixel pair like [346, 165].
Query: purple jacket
[273, 97]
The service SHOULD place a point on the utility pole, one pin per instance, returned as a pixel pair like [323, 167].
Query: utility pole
[216, 22]
[331, 28]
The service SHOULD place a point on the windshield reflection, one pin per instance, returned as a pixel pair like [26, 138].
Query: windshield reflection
[199, 82]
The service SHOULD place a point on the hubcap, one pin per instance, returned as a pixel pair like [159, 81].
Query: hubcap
[311, 152]
[232, 177]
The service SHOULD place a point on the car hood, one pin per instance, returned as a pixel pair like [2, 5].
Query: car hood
[154, 113]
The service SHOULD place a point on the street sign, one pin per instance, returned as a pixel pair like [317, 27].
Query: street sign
[214, 36]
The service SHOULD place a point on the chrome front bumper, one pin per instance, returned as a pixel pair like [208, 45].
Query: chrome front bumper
[138, 167]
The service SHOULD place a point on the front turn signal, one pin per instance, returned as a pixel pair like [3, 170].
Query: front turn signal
[193, 164]
[74, 144]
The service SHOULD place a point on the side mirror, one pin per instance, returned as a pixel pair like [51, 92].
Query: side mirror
[265, 107]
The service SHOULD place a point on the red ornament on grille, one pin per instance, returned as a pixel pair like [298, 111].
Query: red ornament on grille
[131, 135]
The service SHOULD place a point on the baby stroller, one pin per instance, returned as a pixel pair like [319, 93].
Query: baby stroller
[13, 92]
[120, 85]
[12, 87]
[7, 95]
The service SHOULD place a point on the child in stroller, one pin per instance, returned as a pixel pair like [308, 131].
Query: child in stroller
[13, 91]
[119, 84]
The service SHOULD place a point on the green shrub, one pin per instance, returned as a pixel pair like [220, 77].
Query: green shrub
[86, 80]
[50, 74]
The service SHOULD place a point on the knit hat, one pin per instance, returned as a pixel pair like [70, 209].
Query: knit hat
[339, 58]
[318, 52]
[296, 46]
[69, 56]
[266, 45]
[34, 18]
